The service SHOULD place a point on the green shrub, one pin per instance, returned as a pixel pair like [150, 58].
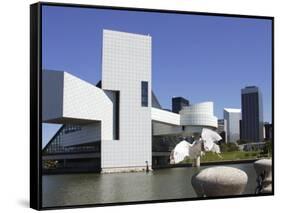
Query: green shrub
[268, 148]
[229, 147]
[243, 141]
[254, 154]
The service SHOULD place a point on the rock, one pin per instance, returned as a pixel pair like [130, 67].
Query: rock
[219, 181]
[264, 166]
[267, 189]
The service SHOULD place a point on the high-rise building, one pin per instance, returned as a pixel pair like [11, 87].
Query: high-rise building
[232, 117]
[178, 103]
[252, 114]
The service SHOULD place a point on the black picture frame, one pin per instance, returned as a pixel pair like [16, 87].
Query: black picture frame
[36, 101]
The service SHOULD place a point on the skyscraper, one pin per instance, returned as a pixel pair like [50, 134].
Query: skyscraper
[232, 117]
[178, 103]
[252, 114]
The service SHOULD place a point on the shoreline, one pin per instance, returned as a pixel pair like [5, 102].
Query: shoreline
[209, 163]
[168, 166]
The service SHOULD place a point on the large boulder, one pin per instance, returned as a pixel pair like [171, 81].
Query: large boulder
[263, 169]
[264, 165]
[219, 181]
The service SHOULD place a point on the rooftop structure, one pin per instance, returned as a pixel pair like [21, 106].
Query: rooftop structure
[178, 103]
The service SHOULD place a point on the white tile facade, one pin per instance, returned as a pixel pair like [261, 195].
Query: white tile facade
[77, 100]
[201, 114]
[126, 62]
[85, 101]
[164, 116]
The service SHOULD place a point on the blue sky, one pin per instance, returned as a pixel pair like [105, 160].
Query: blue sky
[201, 58]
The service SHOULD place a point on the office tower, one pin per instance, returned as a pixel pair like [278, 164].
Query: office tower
[232, 117]
[252, 114]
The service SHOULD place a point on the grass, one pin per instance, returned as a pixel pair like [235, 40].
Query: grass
[227, 156]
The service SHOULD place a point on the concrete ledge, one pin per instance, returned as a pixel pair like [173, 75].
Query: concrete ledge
[125, 169]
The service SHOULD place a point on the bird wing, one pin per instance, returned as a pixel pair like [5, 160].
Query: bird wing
[209, 137]
[216, 149]
[181, 151]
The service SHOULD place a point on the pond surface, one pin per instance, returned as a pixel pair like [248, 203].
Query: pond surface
[173, 183]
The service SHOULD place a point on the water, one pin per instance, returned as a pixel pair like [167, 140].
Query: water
[79, 189]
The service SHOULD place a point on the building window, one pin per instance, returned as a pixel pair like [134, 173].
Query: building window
[144, 93]
[71, 128]
[117, 114]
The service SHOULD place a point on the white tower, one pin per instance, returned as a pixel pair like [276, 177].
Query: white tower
[126, 68]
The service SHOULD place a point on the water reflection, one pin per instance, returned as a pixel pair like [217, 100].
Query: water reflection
[79, 189]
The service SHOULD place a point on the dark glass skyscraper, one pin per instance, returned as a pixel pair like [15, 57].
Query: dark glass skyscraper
[178, 103]
[252, 114]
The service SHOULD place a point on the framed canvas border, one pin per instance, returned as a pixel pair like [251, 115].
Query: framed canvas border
[36, 101]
